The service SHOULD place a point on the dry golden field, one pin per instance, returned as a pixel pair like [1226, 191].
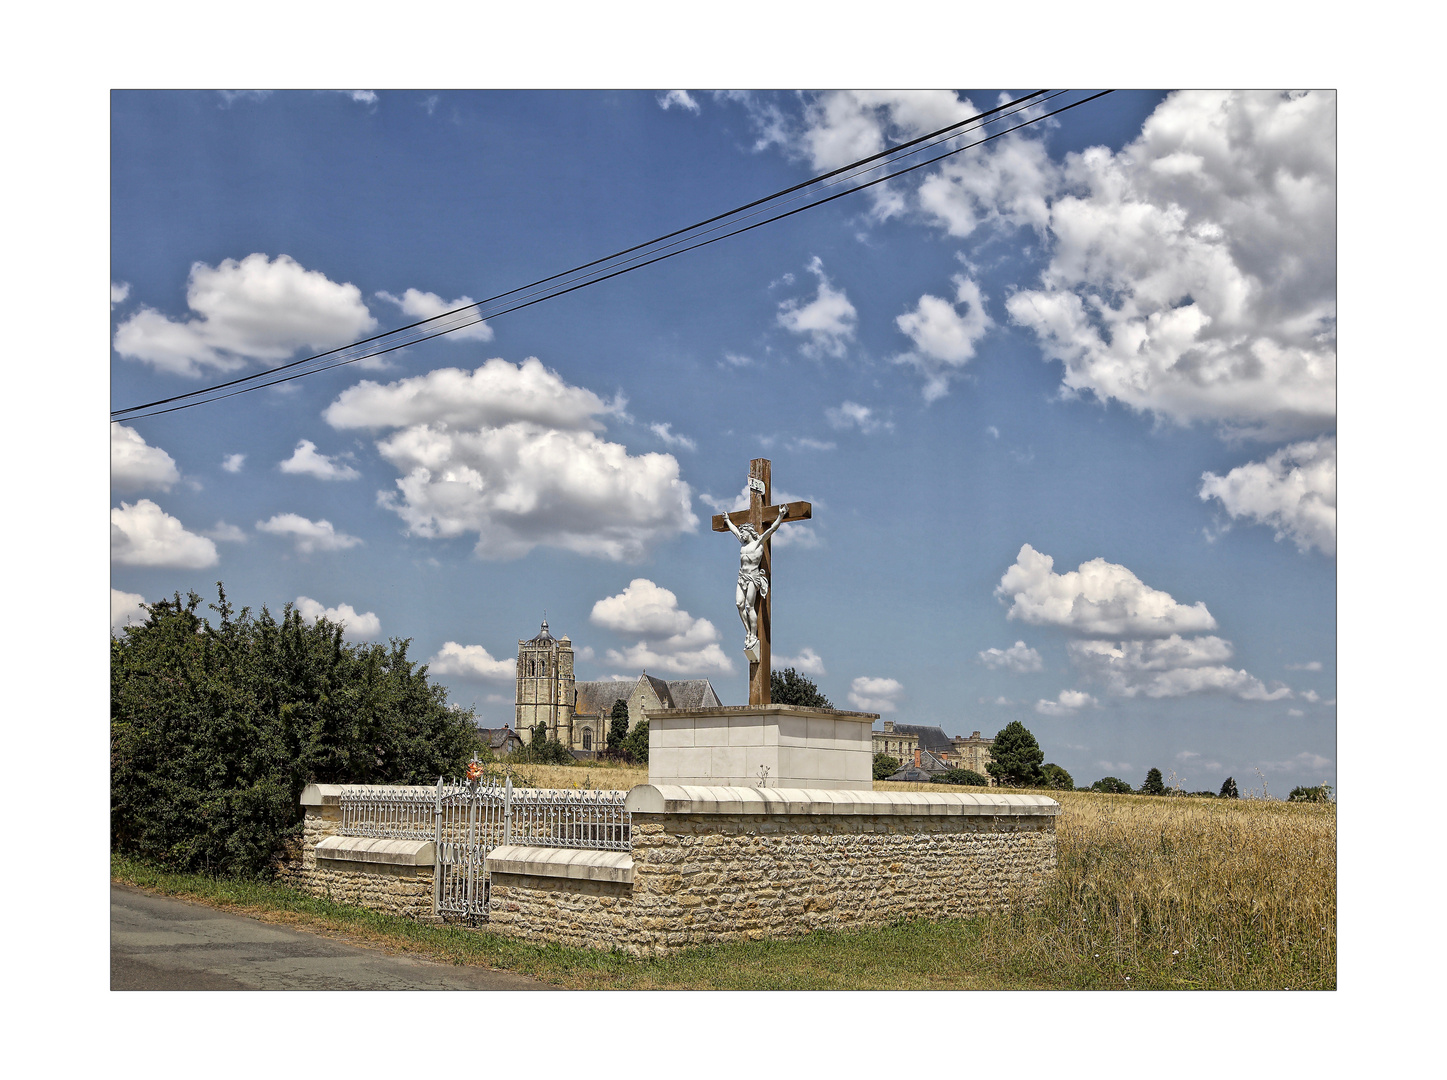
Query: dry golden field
[1151, 892]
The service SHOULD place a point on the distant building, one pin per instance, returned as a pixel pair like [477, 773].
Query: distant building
[895, 743]
[501, 741]
[577, 714]
[929, 749]
[972, 753]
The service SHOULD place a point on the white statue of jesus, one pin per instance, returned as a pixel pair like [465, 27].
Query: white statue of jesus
[752, 582]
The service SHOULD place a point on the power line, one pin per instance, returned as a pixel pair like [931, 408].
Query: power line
[602, 269]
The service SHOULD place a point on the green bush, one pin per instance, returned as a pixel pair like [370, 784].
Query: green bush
[1056, 777]
[788, 687]
[636, 745]
[216, 728]
[1321, 793]
[885, 766]
[968, 777]
[1111, 785]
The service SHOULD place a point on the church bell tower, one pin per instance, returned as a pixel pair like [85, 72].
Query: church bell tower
[545, 692]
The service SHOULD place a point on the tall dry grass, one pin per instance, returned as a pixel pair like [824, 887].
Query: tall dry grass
[1150, 892]
[1181, 892]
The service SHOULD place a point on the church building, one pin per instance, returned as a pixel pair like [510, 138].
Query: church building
[577, 714]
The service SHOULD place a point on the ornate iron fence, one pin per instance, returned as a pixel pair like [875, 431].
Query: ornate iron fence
[467, 819]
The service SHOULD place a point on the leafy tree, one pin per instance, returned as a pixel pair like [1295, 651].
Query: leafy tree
[1228, 789]
[618, 727]
[636, 744]
[1111, 785]
[788, 687]
[217, 726]
[1321, 793]
[1154, 784]
[1015, 757]
[967, 777]
[1056, 777]
[885, 766]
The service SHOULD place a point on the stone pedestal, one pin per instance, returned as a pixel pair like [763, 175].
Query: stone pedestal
[771, 746]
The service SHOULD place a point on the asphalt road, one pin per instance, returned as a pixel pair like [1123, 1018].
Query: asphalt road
[161, 943]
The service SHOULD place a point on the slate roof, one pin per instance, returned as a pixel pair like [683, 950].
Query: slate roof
[498, 738]
[543, 638]
[693, 694]
[910, 775]
[932, 739]
[595, 698]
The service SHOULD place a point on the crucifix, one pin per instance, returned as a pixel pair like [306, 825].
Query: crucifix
[754, 527]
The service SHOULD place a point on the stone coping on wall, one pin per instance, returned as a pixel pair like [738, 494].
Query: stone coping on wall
[321, 794]
[561, 863]
[767, 710]
[370, 849]
[691, 799]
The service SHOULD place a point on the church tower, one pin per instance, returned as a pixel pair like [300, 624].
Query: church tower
[545, 691]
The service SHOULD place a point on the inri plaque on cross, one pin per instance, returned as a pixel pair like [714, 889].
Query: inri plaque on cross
[754, 528]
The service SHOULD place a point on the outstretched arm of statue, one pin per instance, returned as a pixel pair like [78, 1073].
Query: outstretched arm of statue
[783, 513]
[732, 527]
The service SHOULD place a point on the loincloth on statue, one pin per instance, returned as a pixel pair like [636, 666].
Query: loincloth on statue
[755, 578]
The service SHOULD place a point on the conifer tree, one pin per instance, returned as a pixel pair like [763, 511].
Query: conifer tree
[1015, 757]
[1228, 789]
[1154, 784]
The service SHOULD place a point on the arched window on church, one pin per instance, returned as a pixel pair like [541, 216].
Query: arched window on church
[587, 739]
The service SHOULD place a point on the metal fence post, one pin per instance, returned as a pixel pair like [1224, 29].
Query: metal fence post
[437, 861]
[507, 811]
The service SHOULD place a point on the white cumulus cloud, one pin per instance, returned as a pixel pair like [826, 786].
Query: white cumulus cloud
[808, 662]
[945, 333]
[1193, 274]
[511, 453]
[472, 662]
[851, 414]
[679, 98]
[252, 310]
[136, 465]
[674, 642]
[309, 536]
[665, 433]
[145, 535]
[425, 305]
[232, 462]
[827, 321]
[126, 610]
[1098, 599]
[119, 291]
[355, 625]
[307, 460]
[1068, 703]
[871, 694]
[1172, 667]
[1019, 658]
[1293, 491]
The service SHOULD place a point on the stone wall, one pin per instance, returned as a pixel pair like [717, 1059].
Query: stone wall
[708, 872]
[393, 886]
[723, 864]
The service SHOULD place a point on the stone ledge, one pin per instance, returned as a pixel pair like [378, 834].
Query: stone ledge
[321, 794]
[691, 799]
[367, 849]
[764, 710]
[615, 866]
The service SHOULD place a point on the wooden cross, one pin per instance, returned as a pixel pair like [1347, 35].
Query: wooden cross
[761, 514]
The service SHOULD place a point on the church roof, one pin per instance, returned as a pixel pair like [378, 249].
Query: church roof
[598, 697]
[693, 694]
[543, 638]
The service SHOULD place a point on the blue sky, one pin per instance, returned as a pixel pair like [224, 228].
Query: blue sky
[1065, 405]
